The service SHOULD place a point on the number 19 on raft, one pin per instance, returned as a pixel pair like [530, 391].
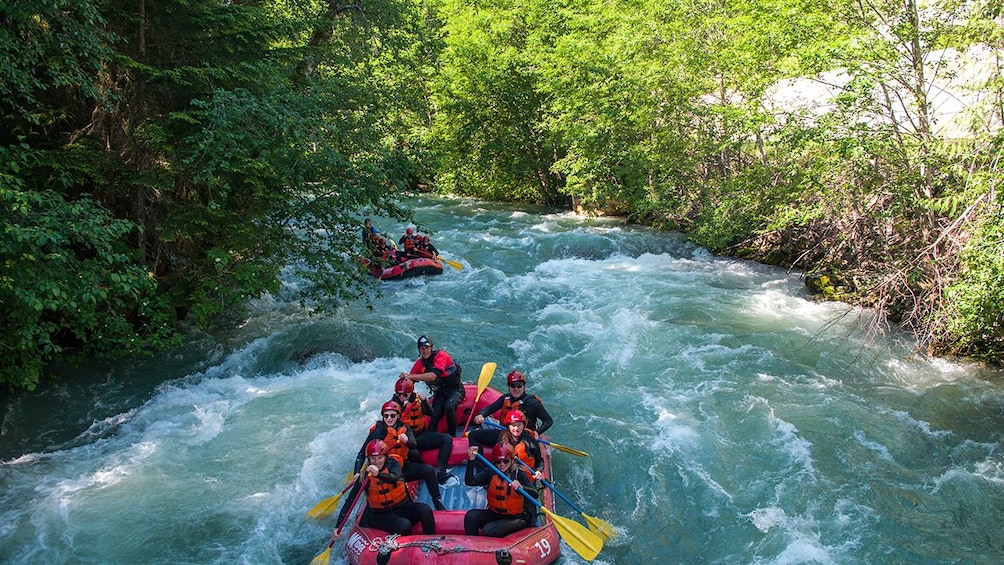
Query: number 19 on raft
[544, 547]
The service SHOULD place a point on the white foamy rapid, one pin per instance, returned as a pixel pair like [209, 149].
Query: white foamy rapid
[729, 418]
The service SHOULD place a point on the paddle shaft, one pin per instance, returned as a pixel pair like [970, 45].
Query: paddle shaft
[321, 508]
[362, 489]
[587, 544]
[598, 526]
[471, 415]
[544, 441]
[440, 258]
[508, 480]
[346, 488]
[549, 485]
[324, 557]
[453, 264]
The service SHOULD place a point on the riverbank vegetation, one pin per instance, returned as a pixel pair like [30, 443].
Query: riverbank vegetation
[160, 163]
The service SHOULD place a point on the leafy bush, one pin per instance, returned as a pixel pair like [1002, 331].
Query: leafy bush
[977, 324]
[67, 281]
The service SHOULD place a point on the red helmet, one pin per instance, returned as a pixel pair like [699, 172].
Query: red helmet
[503, 450]
[404, 386]
[376, 447]
[513, 416]
[409, 231]
[515, 377]
[391, 406]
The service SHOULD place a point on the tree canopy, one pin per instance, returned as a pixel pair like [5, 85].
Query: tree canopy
[855, 141]
[162, 162]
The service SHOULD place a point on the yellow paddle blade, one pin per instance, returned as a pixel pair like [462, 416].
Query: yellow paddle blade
[484, 379]
[487, 370]
[566, 449]
[322, 558]
[324, 508]
[453, 264]
[585, 543]
[600, 527]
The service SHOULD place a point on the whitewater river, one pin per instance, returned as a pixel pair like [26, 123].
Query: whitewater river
[730, 419]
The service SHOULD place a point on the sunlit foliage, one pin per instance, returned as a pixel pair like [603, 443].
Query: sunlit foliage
[164, 161]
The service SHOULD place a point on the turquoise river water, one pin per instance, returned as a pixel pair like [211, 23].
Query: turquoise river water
[730, 419]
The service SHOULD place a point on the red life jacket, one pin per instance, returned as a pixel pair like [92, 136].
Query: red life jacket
[503, 499]
[449, 371]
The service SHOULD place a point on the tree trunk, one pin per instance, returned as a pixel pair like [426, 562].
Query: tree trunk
[321, 36]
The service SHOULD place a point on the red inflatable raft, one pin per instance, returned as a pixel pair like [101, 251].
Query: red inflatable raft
[411, 268]
[536, 545]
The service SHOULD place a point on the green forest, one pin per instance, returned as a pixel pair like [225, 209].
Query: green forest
[161, 162]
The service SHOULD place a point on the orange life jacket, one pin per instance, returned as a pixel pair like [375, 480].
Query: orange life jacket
[503, 499]
[525, 456]
[395, 448]
[412, 415]
[522, 448]
[381, 495]
[509, 404]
